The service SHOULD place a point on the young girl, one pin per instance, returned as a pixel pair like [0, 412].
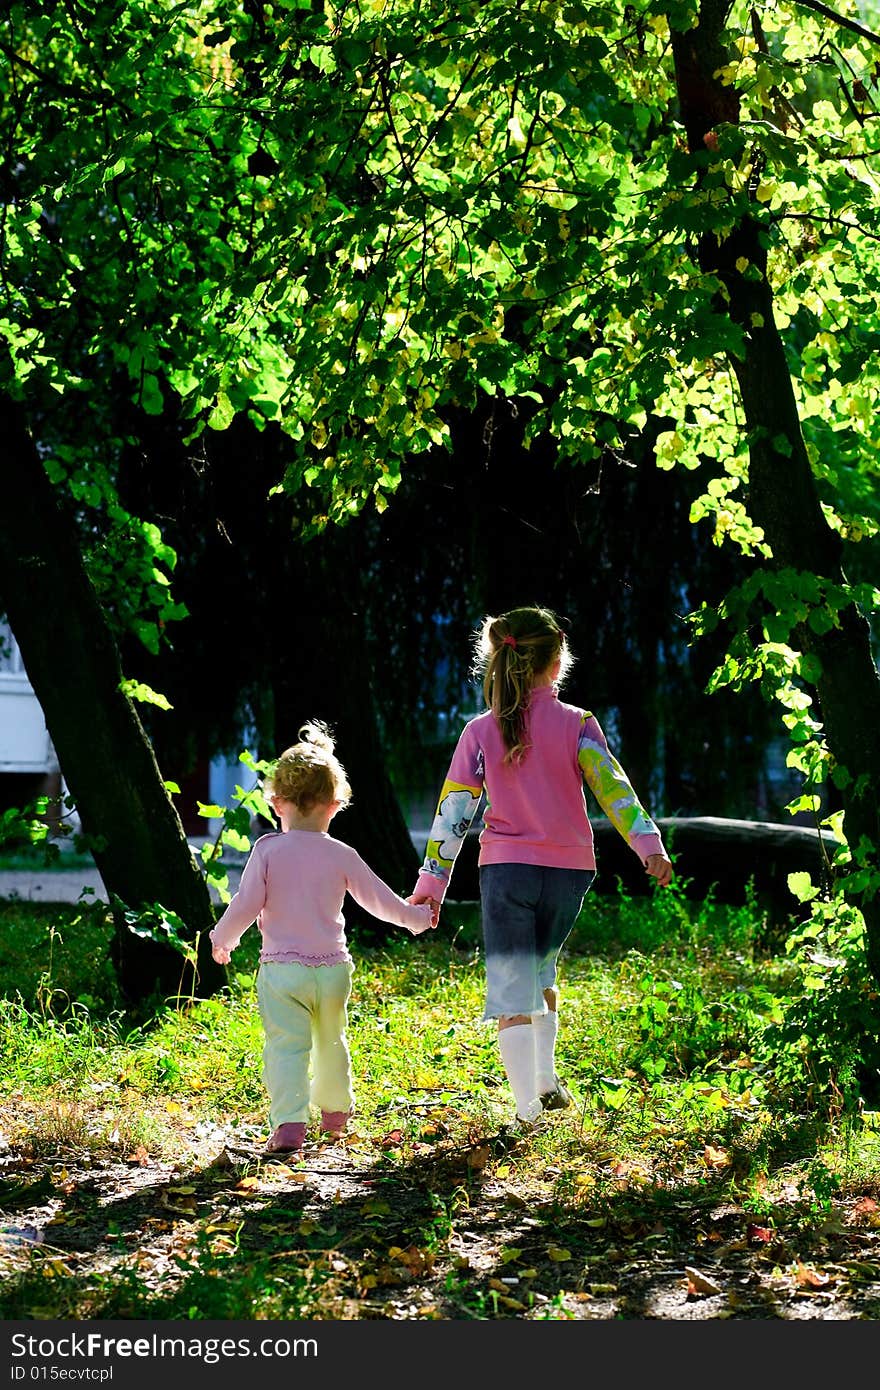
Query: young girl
[293, 885]
[530, 754]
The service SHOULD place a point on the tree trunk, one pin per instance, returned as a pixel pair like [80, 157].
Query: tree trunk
[73, 664]
[782, 498]
[297, 613]
[329, 623]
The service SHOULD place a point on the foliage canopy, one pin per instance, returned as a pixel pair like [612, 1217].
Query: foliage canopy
[349, 220]
[345, 218]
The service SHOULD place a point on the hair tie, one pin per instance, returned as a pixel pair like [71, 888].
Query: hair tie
[509, 642]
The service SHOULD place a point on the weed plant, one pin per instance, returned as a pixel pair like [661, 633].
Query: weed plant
[666, 1008]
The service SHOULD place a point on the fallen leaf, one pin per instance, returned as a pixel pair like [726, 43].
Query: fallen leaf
[806, 1277]
[759, 1234]
[555, 1252]
[864, 1207]
[698, 1283]
[391, 1140]
[281, 1170]
[478, 1158]
[715, 1158]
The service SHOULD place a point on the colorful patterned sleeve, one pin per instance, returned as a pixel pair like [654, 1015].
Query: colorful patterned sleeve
[456, 808]
[610, 785]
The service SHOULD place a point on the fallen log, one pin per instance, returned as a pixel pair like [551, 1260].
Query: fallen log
[712, 855]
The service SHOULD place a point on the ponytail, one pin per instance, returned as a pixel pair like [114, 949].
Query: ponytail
[512, 651]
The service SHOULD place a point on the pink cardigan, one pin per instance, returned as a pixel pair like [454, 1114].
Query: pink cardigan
[536, 811]
[294, 885]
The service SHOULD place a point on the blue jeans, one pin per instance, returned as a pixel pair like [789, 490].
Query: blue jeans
[528, 911]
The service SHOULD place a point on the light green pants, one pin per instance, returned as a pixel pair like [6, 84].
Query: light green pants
[304, 1014]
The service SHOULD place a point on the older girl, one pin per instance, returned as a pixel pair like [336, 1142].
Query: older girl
[530, 754]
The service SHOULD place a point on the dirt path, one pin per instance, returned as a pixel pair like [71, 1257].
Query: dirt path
[369, 1228]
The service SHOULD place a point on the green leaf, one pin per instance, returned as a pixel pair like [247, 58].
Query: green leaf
[801, 885]
[223, 414]
[137, 690]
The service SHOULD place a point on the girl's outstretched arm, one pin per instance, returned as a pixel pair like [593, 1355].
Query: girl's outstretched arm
[374, 894]
[612, 789]
[453, 818]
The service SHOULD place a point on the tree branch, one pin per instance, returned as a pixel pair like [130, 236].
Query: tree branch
[843, 20]
[821, 219]
[450, 105]
[64, 87]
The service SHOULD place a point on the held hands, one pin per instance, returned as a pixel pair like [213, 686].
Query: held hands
[417, 899]
[659, 867]
[427, 922]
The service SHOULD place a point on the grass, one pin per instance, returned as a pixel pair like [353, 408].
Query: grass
[664, 1010]
[659, 1004]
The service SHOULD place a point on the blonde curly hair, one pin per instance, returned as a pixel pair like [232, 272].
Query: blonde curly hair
[309, 773]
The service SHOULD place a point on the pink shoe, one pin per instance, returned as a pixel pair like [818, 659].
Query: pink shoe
[288, 1138]
[333, 1122]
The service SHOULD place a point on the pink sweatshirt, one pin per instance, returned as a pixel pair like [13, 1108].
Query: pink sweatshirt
[536, 811]
[294, 885]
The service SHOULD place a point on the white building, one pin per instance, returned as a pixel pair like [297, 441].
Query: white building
[29, 765]
[25, 745]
